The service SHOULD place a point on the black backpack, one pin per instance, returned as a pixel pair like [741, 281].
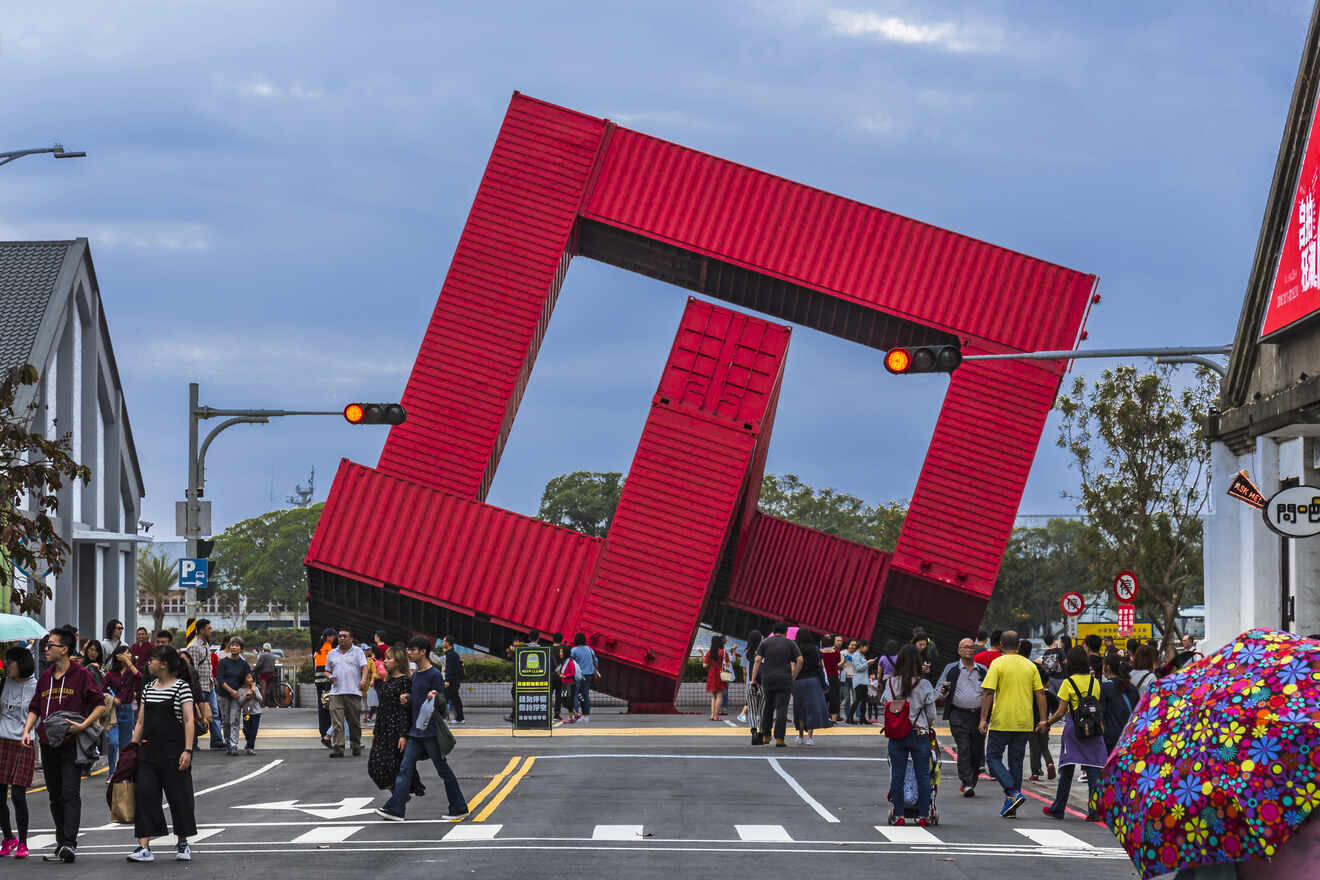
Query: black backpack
[1088, 717]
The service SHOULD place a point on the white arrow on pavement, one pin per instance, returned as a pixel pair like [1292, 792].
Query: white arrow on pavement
[345, 809]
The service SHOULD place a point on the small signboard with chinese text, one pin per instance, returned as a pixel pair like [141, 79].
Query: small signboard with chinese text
[531, 688]
[1294, 512]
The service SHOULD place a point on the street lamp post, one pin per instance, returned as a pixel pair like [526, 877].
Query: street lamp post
[57, 150]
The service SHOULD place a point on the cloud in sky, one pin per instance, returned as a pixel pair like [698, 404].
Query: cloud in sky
[273, 194]
[947, 35]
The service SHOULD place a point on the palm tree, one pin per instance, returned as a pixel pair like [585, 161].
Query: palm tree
[156, 579]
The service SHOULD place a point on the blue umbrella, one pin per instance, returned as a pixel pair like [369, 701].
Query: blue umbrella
[16, 628]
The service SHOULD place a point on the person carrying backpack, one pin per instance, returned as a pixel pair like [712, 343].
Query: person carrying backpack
[1083, 732]
[909, 701]
[1118, 698]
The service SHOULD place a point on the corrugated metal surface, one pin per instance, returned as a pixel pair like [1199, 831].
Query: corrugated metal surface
[496, 301]
[724, 364]
[682, 492]
[463, 554]
[971, 483]
[815, 239]
[789, 572]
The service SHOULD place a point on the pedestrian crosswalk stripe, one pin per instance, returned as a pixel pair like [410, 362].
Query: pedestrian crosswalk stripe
[328, 834]
[461, 833]
[202, 834]
[1052, 837]
[616, 832]
[906, 834]
[763, 832]
[41, 841]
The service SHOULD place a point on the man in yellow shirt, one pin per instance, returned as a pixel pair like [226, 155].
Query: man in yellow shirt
[1010, 685]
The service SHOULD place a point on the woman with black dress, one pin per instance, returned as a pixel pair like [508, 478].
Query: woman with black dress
[392, 721]
[809, 708]
[164, 734]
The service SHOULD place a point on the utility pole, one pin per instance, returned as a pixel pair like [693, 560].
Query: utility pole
[193, 514]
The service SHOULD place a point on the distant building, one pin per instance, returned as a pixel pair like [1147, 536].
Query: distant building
[224, 615]
[52, 316]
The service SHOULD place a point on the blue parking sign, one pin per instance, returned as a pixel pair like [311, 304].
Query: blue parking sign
[192, 573]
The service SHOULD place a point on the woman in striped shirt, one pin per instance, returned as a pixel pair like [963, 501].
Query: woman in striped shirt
[164, 732]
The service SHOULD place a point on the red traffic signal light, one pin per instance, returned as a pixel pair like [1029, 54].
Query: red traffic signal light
[923, 359]
[375, 414]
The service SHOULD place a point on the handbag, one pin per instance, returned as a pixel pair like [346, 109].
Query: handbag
[726, 670]
[444, 737]
[122, 802]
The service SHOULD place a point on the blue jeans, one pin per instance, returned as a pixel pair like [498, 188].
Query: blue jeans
[1009, 777]
[413, 751]
[217, 735]
[917, 748]
[120, 735]
[584, 694]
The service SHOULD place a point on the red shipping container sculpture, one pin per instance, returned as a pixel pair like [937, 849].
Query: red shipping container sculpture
[411, 545]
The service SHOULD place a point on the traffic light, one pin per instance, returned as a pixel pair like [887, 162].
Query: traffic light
[375, 413]
[204, 549]
[923, 359]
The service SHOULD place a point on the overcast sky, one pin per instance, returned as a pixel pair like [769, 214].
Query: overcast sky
[273, 193]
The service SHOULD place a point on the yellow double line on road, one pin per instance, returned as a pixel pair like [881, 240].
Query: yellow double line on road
[509, 786]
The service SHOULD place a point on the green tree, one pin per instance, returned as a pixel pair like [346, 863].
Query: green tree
[832, 512]
[1140, 447]
[36, 469]
[1040, 565]
[583, 501]
[261, 559]
[157, 577]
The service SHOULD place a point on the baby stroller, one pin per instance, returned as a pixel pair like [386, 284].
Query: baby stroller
[910, 788]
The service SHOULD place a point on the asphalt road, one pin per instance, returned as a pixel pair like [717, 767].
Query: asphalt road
[627, 797]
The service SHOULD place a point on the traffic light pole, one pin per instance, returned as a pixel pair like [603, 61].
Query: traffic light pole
[1161, 355]
[197, 520]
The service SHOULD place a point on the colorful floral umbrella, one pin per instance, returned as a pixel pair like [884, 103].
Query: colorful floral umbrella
[1221, 760]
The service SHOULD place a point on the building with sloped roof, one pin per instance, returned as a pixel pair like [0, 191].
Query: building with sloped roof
[52, 316]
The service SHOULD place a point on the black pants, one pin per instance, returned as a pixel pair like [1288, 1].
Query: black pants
[250, 728]
[322, 710]
[775, 712]
[19, 795]
[858, 707]
[556, 694]
[455, 701]
[64, 783]
[832, 697]
[1039, 746]
[964, 724]
[158, 772]
[1066, 773]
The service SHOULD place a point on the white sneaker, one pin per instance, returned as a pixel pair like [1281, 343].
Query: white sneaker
[583, 719]
[808, 741]
[141, 854]
[797, 740]
[742, 717]
[183, 853]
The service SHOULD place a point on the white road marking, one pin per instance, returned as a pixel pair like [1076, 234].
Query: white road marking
[472, 832]
[202, 834]
[41, 841]
[906, 834]
[771, 833]
[1052, 837]
[730, 723]
[341, 809]
[802, 793]
[331, 834]
[616, 832]
[252, 775]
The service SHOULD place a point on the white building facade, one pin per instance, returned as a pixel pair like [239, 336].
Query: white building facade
[52, 316]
